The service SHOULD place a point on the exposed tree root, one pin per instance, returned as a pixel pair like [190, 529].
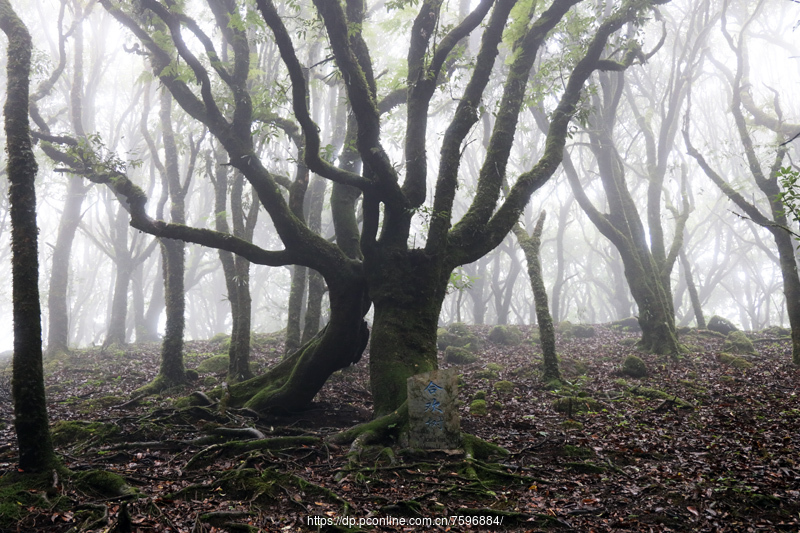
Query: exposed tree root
[234, 448]
[158, 385]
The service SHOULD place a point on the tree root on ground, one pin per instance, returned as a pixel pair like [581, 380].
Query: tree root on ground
[158, 385]
[234, 448]
[254, 485]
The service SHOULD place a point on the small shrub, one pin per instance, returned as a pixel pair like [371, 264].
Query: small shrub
[459, 356]
[494, 367]
[504, 387]
[478, 408]
[634, 367]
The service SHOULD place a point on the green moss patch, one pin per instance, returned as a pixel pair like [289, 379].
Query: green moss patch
[504, 387]
[737, 342]
[732, 360]
[459, 356]
[69, 432]
[103, 484]
[576, 404]
[478, 408]
[505, 335]
[634, 367]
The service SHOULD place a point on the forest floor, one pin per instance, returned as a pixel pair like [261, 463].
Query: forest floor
[698, 445]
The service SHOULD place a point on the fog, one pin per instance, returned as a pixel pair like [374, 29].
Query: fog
[626, 159]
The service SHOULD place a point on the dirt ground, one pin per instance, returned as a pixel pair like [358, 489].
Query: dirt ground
[706, 443]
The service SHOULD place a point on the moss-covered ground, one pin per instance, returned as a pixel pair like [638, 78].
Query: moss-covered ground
[699, 444]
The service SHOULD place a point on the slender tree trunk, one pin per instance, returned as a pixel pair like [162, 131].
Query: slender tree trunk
[172, 368]
[297, 294]
[124, 269]
[531, 245]
[58, 321]
[30, 405]
[149, 330]
[692, 289]
[174, 266]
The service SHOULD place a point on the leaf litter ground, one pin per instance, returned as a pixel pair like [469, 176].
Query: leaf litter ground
[698, 445]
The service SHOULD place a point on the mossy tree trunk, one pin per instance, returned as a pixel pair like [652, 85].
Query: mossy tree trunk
[407, 288]
[243, 226]
[531, 246]
[30, 405]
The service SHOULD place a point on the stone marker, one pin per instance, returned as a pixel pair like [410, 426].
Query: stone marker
[432, 413]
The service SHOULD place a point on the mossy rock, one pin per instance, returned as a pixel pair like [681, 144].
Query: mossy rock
[630, 341]
[67, 432]
[458, 328]
[721, 325]
[629, 324]
[104, 484]
[459, 336]
[478, 408]
[565, 329]
[504, 387]
[573, 367]
[217, 364]
[583, 331]
[737, 342]
[479, 395]
[214, 365]
[576, 404]
[778, 331]
[732, 360]
[634, 367]
[220, 338]
[505, 335]
[459, 356]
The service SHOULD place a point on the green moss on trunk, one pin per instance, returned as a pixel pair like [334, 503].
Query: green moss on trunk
[30, 406]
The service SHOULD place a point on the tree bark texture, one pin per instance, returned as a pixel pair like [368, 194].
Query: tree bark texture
[30, 406]
[531, 246]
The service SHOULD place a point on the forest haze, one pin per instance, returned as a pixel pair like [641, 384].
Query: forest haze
[379, 190]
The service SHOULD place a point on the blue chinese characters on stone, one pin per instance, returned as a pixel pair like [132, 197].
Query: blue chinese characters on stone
[434, 406]
[432, 388]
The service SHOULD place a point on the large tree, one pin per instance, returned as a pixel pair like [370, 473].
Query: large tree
[377, 261]
[30, 406]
